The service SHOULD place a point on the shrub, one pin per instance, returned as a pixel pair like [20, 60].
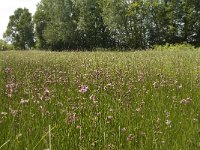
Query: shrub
[5, 46]
[174, 47]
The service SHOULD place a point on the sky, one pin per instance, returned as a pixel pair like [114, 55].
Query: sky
[7, 8]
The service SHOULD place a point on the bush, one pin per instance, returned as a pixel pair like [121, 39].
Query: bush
[174, 47]
[5, 46]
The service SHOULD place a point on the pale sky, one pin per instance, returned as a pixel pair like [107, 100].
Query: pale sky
[7, 8]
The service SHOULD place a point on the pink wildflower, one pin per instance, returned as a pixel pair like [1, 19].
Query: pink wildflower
[46, 92]
[83, 89]
[8, 70]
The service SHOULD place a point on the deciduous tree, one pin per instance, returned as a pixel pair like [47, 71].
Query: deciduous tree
[20, 29]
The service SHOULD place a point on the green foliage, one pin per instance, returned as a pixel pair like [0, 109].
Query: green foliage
[5, 46]
[55, 24]
[174, 47]
[91, 25]
[40, 20]
[120, 24]
[133, 24]
[20, 29]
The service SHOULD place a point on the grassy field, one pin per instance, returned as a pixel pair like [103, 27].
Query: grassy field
[100, 100]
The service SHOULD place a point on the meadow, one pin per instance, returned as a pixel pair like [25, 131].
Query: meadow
[147, 100]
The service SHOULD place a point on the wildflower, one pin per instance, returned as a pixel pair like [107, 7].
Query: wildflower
[131, 137]
[71, 117]
[168, 122]
[4, 113]
[195, 119]
[9, 95]
[155, 84]
[24, 101]
[83, 89]
[167, 114]
[10, 89]
[138, 109]
[13, 112]
[109, 84]
[46, 92]
[158, 120]
[186, 101]
[123, 129]
[98, 114]
[10, 86]
[109, 119]
[78, 127]
[8, 70]
[180, 86]
[111, 146]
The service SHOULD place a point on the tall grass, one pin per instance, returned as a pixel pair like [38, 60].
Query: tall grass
[100, 100]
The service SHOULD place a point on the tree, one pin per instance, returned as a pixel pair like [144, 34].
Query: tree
[2, 45]
[192, 17]
[126, 24]
[115, 17]
[40, 20]
[20, 29]
[91, 26]
[61, 30]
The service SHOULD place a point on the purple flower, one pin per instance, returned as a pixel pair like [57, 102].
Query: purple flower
[46, 92]
[83, 89]
[8, 70]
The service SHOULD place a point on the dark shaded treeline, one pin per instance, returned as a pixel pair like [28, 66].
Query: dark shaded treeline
[121, 24]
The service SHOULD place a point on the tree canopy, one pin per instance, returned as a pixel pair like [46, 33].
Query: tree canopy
[20, 29]
[88, 24]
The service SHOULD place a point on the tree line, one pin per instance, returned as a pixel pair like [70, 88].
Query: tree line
[120, 24]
